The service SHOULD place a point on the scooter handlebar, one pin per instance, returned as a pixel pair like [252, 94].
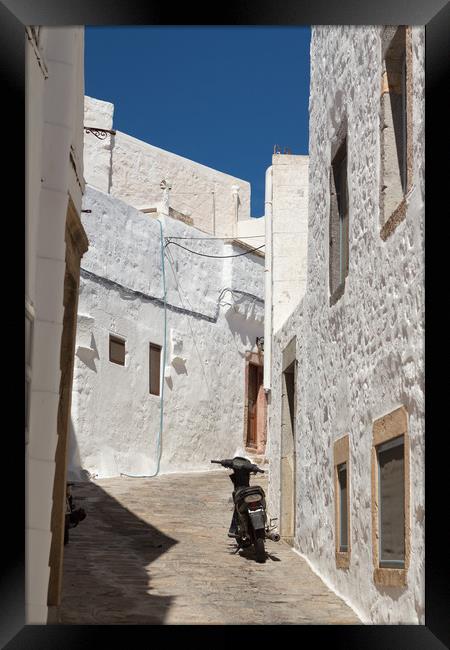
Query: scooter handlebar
[224, 463]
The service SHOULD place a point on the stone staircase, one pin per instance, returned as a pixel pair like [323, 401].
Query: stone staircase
[258, 459]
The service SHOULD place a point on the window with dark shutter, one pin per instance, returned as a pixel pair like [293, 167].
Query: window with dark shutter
[391, 500]
[339, 223]
[155, 368]
[343, 527]
[116, 350]
[342, 501]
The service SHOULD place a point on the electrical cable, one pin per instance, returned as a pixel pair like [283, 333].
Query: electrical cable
[221, 238]
[161, 411]
[215, 256]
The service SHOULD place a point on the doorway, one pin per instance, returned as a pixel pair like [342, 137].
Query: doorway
[288, 454]
[255, 404]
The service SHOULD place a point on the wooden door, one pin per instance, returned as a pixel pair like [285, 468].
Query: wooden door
[253, 376]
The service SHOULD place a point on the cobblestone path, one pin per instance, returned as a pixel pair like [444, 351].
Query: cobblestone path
[154, 551]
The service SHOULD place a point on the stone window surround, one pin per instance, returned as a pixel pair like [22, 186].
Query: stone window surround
[341, 454]
[390, 426]
[257, 359]
[339, 139]
[389, 224]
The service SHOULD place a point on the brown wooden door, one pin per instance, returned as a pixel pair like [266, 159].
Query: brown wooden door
[253, 377]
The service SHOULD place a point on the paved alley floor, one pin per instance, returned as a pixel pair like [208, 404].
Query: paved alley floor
[156, 551]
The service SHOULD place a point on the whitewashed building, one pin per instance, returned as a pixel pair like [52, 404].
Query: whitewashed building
[55, 242]
[346, 379]
[168, 370]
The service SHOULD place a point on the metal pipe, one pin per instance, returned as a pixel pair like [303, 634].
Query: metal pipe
[268, 281]
[275, 537]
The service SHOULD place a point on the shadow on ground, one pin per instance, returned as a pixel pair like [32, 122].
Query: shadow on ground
[106, 577]
[249, 553]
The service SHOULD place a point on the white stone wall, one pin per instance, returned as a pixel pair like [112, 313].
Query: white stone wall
[53, 173]
[132, 171]
[115, 421]
[364, 356]
[252, 231]
[289, 234]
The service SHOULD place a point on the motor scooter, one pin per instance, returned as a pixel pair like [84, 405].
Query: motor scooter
[249, 523]
[73, 514]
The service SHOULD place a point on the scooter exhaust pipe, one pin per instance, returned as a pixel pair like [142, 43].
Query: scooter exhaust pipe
[275, 537]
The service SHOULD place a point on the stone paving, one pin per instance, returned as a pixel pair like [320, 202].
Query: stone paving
[156, 551]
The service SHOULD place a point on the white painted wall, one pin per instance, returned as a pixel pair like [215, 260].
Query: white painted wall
[132, 171]
[53, 137]
[251, 231]
[289, 233]
[115, 420]
[363, 357]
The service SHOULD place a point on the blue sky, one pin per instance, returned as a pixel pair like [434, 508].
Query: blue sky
[222, 96]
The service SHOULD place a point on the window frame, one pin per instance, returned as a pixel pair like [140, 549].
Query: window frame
[341, 456]
[402, 80]
[339, 154]
[118, 339]
[390, 428]
[158, 347]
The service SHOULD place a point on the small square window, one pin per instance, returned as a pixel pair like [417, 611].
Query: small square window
[116, 350]
[155, 369]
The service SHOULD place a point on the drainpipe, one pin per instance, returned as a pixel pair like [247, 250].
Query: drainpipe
[268, 283]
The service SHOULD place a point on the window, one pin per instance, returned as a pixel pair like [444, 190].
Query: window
[391, 503]
[339, 223]
[390, 499]
[342, 482]
[395, 124]
[155, 369]
[116, 350]
[342, 502]
[29, 324]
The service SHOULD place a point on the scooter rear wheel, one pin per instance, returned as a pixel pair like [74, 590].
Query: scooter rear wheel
[260, 550]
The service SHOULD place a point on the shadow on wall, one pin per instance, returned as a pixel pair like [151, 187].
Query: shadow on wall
[246, 328]
[74, 470]
[88, 354]
[105, 576]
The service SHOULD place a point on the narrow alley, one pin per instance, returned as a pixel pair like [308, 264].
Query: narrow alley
[156, 551]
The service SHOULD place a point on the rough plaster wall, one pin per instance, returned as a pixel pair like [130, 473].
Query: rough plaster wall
[363, 357]
[138, 169]
[97, 153]
[115, 419]
[289, 238]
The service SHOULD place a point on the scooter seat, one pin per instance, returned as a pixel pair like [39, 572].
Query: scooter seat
[242, 492]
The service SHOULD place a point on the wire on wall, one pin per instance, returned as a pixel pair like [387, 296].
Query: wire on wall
[252, 250]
